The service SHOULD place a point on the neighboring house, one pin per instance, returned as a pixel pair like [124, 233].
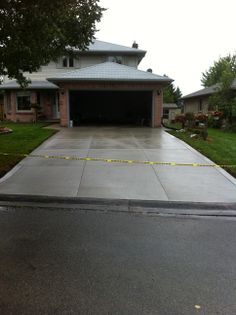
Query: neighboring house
[103, 85]
[170, 110]
[199, 101]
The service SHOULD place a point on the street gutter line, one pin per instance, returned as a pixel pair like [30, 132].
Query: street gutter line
[128, 209]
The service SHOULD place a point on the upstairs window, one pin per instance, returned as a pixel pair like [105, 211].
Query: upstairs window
[64, 62]
[116, 59]
[71, 62]
[68, 62]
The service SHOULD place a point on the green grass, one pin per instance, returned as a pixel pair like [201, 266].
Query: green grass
[23, 139]
[220, 147]
[175, 125]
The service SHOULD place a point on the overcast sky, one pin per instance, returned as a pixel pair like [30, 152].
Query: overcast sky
[182, 37]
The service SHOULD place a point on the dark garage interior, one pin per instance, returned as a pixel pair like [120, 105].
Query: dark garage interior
[111, 107]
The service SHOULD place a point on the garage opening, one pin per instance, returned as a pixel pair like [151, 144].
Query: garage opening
[111, 107]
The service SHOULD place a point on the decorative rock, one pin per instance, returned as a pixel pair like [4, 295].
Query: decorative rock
[5, 130]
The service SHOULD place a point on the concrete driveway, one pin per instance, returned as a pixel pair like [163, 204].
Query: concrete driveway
[73, 178]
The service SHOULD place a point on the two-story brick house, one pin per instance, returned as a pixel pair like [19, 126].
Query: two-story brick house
[102, 85]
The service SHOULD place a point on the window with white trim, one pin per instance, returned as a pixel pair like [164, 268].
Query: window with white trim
[68, 62]
[64, 62]
[23, 101]
[71, 62]
[166, 113]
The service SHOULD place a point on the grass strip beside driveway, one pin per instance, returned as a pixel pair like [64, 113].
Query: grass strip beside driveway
[24, 139]
[220, 147]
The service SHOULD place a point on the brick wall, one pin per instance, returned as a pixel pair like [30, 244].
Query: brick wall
[10, 107]
[157, 107]
[64, 107]
[108, 86]
[28, 116]
[46, 105]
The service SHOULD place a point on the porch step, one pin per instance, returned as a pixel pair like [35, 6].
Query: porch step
[50, 120]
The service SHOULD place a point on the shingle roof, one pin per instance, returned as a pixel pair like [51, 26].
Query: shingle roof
[100, 46]
[170, 105]
[42, 85]
[110, 71]
[208, 90]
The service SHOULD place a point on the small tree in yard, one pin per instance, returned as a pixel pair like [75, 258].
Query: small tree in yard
[32, 33]
[186, 119]
[223, 73]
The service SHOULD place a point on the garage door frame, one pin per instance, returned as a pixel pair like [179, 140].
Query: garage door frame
[65, 87]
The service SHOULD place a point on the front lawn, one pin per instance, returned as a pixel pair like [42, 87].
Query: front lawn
[220, 147]
[23, 139]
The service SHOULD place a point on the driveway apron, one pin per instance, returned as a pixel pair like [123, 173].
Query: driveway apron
[101, 179]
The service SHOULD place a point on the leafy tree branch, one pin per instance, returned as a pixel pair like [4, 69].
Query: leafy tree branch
[32, 33]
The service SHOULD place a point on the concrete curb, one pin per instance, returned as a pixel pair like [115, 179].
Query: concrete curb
[150, 207]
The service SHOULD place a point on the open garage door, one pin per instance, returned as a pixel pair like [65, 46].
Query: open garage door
[111, 107]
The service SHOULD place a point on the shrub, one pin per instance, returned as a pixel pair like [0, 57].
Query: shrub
[200, 117]
[181, 119]
[194, 123]
[215, 119]
[189, 116]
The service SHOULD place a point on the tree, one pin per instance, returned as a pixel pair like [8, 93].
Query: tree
[32, 33]
[178, 95]
[216, 73]
[171, 94]
[225, 96]
[222, 74]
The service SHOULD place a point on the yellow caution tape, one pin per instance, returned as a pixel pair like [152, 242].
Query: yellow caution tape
[78, 158]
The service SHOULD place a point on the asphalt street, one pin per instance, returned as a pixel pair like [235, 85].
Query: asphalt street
[70, 261]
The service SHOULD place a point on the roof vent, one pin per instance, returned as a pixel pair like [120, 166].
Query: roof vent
[135, 45]
[149, 70]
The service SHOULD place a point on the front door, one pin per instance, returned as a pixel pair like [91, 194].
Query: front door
[1, 111]
[55, 106]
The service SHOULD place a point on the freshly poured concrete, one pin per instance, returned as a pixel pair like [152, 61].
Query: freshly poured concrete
[58, 177]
